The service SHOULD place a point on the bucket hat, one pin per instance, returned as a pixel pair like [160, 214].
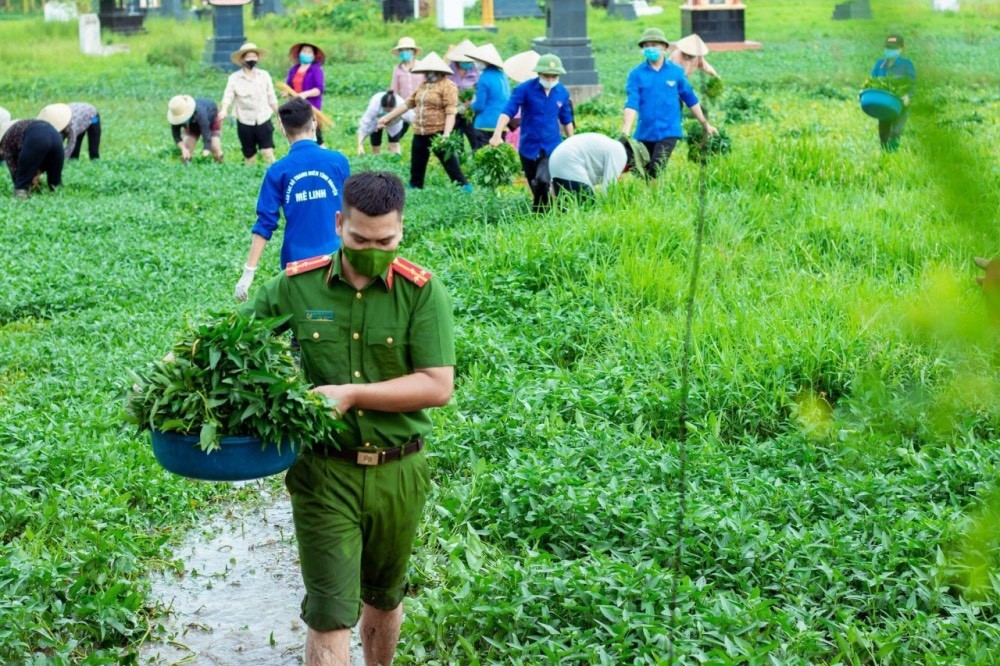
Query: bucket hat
[432, 62]
[692, 46]
[549, 63]
[237, 56]
[180, 109]
[293, 53]
[407, 43]
[521, 66]
[487, 53]
[460, 52]
[653, 35]
[57, 115]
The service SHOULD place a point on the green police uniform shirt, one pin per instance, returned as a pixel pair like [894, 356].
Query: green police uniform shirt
[399, 322]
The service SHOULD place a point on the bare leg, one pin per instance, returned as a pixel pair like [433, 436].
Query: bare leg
[217, 148]
[394, 148]
[250, 160]
[376, 150]
[380, 634]
[328, 648]
[268, 155]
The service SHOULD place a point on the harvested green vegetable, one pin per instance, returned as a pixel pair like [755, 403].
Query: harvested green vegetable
[231, 376]
[700, 147]
[893, 85]
[493, 167]
[451, 146]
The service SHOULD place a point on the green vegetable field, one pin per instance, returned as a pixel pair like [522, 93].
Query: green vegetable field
[842, 457]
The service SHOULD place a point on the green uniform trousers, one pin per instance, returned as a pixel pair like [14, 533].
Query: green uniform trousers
[355, 527]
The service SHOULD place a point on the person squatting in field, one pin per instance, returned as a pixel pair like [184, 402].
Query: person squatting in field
[250, 91]
[654, 91]
[434, 105]
[585, 161]
[895, 66]
[545, 109]
[381, 104]
[35, 147]
[192, 118]
[357, 502]
[306, 185]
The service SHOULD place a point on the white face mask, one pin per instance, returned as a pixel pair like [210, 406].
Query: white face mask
[548, 84]
[480, 65]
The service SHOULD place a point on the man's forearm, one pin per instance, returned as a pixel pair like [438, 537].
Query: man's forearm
[257, 244]
[699, 114]
[628, 118]
[426, 388]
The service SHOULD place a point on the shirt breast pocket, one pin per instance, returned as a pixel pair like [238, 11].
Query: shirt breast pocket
[326, 354]
[389, 352]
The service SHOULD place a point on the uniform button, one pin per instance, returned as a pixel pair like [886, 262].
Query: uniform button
[356, 336]
[388, 341]
[368, 443]
[357, 295]
[316, 335]
[357, 373]
[361, 412]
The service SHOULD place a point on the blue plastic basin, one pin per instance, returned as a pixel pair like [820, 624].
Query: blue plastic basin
[239, 459]
[881, 104]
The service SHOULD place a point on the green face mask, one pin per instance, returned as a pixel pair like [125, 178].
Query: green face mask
[370, 262]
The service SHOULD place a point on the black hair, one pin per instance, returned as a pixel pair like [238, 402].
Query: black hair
[295, 115]
[388, 100]
[374, 193]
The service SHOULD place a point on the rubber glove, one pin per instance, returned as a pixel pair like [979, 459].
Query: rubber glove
[243, 286]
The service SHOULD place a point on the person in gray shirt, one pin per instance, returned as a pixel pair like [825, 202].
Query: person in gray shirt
[585, 161]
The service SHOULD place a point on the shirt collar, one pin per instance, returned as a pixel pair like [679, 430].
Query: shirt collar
[336, 270]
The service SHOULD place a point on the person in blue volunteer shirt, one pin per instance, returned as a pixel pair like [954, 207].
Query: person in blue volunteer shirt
[545, 107]
[306, 186]
[492, 94]
[895, 66]
[654, 91]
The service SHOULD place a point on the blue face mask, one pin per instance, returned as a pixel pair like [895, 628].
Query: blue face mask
[406, 56]
[305, 59]
[652, 53]
[892, 54]
[466, 65]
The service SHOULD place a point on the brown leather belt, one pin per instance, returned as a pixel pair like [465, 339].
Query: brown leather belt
[370, 457]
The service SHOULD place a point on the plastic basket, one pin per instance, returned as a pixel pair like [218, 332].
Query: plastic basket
[238, 459]
[881, 104]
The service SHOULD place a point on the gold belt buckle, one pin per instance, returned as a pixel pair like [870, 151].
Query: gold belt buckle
[368, 458]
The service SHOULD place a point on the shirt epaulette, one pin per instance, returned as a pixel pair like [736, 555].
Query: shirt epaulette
[304, 265]
[410, 271]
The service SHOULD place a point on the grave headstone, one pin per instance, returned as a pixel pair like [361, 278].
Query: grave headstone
[60, 11]
[855, 9]
[264, 7]
[450, 14]
[90, 34]
[398, 10]
[172, 9]
[715, 22]
[119, 16]
[625, 10]
[946, 5]
[504, 9]
[566, 36]
[227, 34]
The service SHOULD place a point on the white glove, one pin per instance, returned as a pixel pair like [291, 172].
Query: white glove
[243, 286]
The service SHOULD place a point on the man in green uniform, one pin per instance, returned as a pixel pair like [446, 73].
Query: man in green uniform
[376, 336]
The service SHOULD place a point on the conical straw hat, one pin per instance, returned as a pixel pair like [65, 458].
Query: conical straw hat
[432, 62]
[691, 45]
[519, 66]
[459, 52]
[487, 53]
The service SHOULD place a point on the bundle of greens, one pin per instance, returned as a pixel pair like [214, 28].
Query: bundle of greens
[465, 97]
[892, 85]
[493, 167]
[231, 376]
[452, 146]
[700, 146]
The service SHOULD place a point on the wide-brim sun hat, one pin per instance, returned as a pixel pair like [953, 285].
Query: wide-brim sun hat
[432, 62]
[4, 126]
[57, 115]
[407, 43]
[549, 63]
[180, 108]
[487, 53]
[520, 67]
[459, 52]
[653, 35]
[692, 46]
[293, 53]
[237, 56]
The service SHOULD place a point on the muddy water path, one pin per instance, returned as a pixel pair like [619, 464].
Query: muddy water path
[236, 600]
